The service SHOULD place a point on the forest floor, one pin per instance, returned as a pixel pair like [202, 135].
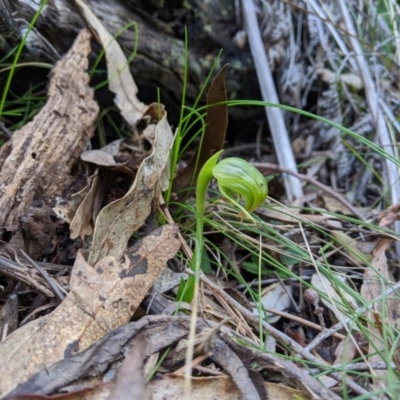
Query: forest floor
[134, 265]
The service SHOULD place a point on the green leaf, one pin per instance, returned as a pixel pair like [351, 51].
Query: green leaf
[205, 263]
[186, 290]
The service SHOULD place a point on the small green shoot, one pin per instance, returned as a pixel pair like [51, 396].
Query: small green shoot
[18, 55]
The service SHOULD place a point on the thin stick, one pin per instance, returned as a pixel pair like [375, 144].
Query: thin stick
[340, 325]
[277, 168]
[46, 277]
[372, 97]
[275, 118]
[302, 321]
[20, 273]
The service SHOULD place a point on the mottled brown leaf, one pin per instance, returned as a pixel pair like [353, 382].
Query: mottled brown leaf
[101, 299]
[120, 219]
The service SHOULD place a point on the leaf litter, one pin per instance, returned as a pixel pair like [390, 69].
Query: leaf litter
[78, 346]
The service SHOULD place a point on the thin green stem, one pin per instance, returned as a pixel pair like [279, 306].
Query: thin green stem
[18, 55]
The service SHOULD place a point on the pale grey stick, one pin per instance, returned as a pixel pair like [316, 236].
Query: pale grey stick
[276, 122]
[340, 325]
[45, 276]
[374, 105]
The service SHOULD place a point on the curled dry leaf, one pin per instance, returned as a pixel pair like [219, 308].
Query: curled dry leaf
[203, 388]
[160, 332]
[375, 282]
[102, 391]
[120, 219]
[389, 215]
[335, 206]
[98, 157]
[104, 156]
[345, 351]
[292, 216]
[120, 79]
[67, 210]
[81, 224]
[101, 299]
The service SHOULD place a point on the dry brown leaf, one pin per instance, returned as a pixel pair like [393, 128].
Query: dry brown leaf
[99, 157]
[276, 296]
[350, 248]
[168, 280]
[104, 156]
[335, 206]
[367, 247]
[120, 78]
[221, 387]
[101, 299]
[373, 286]
[160, 332]
[390, 215]
[214, 135]
[67, 210]
[88, 366]
[81, 224]
[345, 352]
[171, 387]
[120, 219]
[129, 151]
[291, 216]
[101, 391]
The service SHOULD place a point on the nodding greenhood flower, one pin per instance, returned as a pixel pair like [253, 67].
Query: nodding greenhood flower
[236, 176]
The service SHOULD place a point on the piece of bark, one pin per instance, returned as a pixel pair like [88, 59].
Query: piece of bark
[36, 163]
[157, 332]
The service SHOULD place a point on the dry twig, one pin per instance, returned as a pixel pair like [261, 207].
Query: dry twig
[274, 115]
[254, 320]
